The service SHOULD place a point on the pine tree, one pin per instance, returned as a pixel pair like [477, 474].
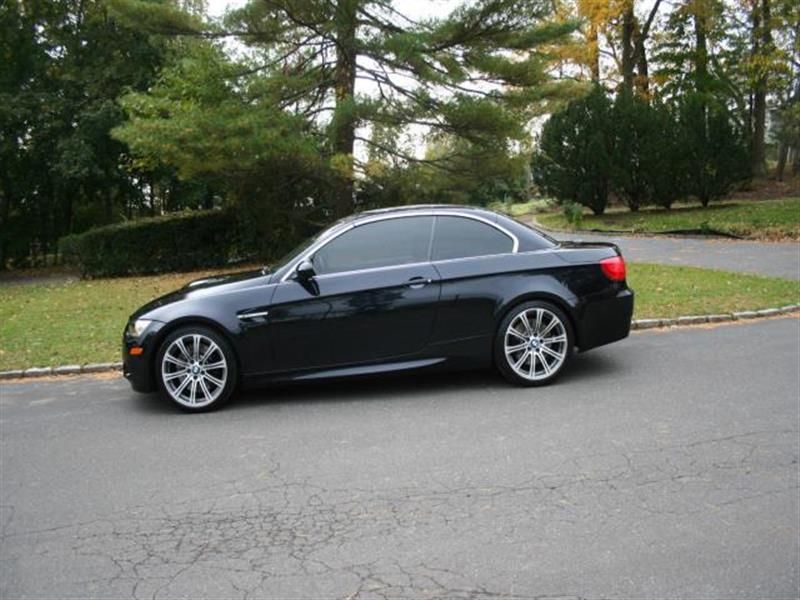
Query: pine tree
[349, 65]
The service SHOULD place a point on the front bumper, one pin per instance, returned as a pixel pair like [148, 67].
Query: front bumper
[139, 369]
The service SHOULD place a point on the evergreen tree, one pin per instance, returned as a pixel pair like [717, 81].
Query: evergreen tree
[574, 160]
[647, 163]
[668, 165]
[714, 148]
[346, 66]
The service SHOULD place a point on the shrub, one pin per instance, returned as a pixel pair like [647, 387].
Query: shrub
[178, 242]
[637, 150]
[573, 213]
[575, 149]
[715, 155]
[668, 179]
[647, 164]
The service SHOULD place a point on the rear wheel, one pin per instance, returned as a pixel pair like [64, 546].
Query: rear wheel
[196, 369]
[533, 343]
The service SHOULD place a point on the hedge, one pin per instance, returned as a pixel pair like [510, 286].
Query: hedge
[178, 242]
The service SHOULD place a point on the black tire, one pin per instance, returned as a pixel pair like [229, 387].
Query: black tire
[505, 362]
[201, 381]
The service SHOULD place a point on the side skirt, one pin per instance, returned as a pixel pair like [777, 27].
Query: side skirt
[352, 371]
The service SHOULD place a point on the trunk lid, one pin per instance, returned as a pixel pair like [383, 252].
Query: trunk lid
[585, 252]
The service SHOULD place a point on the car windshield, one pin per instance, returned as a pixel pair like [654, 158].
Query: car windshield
[303, 246]
[297, 251]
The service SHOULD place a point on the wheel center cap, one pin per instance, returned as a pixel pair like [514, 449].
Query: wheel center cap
[195, 370]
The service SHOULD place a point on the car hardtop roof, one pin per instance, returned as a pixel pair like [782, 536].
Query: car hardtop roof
[455, 208]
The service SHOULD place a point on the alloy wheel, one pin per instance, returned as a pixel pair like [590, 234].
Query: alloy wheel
[194, 370]
[536, 344]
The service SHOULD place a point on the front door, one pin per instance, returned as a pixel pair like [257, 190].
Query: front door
[353, 318]
[374, 297]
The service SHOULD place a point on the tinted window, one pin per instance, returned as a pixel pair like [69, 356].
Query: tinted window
[391, 242]
[459, 237]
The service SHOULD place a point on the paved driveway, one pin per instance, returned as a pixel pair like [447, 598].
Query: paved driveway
[777, 259]
[662, 466]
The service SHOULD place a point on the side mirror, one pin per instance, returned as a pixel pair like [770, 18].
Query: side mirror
[304, 270]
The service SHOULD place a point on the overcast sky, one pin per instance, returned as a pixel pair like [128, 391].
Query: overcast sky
[411, 8]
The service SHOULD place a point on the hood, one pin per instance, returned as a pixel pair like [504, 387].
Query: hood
[239, 280]
[207, 286]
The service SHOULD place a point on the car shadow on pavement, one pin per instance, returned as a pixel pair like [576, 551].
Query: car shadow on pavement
[593, 366]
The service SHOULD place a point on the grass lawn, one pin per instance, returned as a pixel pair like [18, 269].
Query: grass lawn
[74, 323]
[768, 219]
[81, 322]
[669, 291]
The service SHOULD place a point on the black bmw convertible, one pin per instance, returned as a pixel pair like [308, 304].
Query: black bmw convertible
[417, 287]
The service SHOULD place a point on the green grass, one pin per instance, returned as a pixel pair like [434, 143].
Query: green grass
[73, 323]
[668, 291]
[767, 220]
[82, 322]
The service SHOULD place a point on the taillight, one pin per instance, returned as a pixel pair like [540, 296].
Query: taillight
[613, 268]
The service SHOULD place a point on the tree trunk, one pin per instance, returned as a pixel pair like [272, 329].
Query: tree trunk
[628, 25]
[594, 52]
[701, 45]
[640, 50]
[152, 194]
[68, 213]
[783, 155]
[642, 75]
[108, 207]
[343, 125]
[5, 213]
[762, 40]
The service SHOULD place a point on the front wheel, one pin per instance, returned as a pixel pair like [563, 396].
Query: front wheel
[196, 369]
[533, 343]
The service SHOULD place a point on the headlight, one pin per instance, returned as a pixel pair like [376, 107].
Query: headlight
[136, 328]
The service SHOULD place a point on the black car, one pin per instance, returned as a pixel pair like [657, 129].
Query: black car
[417, 287]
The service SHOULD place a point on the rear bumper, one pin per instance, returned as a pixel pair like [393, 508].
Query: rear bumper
[606, 320]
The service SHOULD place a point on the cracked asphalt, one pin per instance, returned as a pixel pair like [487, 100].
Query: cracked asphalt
[662, 466]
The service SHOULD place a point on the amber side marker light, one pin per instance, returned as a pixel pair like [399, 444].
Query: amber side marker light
[136, 351]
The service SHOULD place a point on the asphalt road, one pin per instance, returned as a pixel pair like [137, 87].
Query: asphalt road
[662, 466]
[776, 259]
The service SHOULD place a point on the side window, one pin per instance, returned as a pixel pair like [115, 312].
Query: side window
[397, 241]
[460, 237]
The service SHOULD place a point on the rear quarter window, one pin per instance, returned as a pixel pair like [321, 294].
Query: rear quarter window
[462, 237]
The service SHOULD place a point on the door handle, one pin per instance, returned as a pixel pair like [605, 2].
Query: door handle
[418, 282]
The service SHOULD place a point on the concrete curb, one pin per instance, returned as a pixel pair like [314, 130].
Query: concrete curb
[33, 372]
[636, 324]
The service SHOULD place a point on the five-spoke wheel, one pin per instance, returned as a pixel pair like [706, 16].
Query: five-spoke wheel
[533, 343]
[196, 368]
